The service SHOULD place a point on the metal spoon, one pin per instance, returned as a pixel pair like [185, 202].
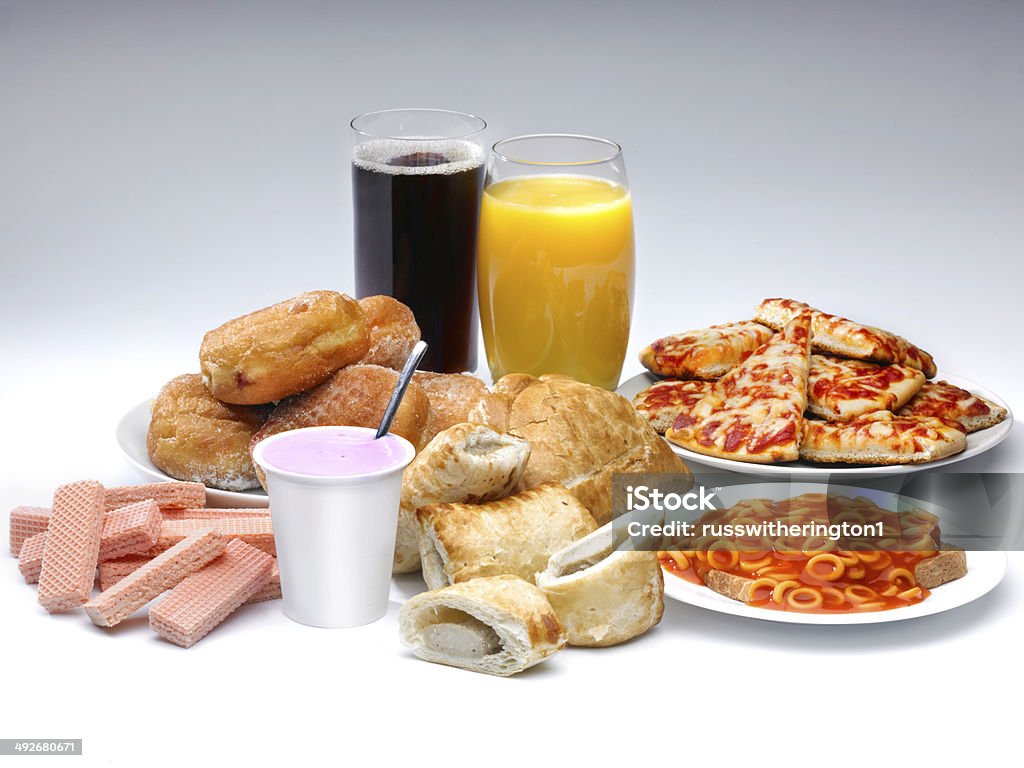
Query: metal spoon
[403, 383]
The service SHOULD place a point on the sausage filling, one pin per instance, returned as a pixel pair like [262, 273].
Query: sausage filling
[461, 636]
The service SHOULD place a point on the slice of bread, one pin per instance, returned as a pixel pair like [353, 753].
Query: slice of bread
[948, 565]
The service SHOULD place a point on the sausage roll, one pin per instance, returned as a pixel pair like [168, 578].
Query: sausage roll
[516, 535]
[602, 595]
[499, 625]
[464, 463]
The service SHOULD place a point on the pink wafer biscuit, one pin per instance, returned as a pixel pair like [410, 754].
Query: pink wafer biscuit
[130, 529]
[26, 522]
[72, 546]
[271, 590]
[214, 514]
[207, 597]
[30, 559]
[166, 495]
[115, 604]
[256, 531]
[112, 571]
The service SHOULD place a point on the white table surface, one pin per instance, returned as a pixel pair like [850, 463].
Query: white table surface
[165, 167]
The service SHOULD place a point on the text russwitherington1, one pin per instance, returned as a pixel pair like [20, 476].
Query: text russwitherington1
[771, 529]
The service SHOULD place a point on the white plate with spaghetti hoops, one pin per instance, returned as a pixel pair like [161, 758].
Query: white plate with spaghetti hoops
[977, 442]
[984, 572]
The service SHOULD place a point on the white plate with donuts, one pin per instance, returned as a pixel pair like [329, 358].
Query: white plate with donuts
[131, 437]
[985, 570]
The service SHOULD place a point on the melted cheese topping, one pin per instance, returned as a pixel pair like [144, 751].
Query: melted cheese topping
[942, 400]
[841, 389]
[720, 345]
[863, 341]
[757, 408]
[678, 396]
[881, 432]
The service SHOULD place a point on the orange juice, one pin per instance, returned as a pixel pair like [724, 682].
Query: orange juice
[555, 276]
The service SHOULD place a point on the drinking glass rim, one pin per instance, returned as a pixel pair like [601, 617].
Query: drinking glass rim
[615, 146]
[480, 121]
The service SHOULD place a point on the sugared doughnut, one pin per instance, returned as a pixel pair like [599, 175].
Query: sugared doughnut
[453, 397]
[285, 349]
[195, 437]
[354, 396]
[393, 331]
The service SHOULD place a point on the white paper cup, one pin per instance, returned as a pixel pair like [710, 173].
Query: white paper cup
[335, 539]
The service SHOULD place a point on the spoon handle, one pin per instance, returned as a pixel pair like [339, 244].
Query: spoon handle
[403, 383]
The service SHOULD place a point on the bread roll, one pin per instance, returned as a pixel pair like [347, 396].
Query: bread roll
[580, 435]
[516, 535]
[603, 596]
[493, 410]
[512, 384]
[194, 437]
[284, 349]
[464, 463]
[499, 625]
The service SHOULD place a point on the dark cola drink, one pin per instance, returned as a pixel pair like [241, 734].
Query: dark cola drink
[417, 209]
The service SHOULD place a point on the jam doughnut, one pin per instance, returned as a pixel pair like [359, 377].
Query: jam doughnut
[354, 396]
[284, 349]
[454, 398]
[393, 331]
[196, 438]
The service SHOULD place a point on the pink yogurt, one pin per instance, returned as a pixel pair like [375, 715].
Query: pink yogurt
[334, 452]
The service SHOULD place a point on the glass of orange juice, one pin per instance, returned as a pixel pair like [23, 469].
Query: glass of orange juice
[555, 258]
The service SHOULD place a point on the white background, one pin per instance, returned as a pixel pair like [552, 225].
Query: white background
[166, 166]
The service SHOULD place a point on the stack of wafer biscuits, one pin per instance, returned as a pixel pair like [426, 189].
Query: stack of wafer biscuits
[139, 542]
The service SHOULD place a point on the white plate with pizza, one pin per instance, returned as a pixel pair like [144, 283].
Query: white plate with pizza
[131, 437]
[977, 442]
[985, 570]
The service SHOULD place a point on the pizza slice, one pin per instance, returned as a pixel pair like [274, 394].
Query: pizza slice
[881, 438]
[662, 402]
[954, 405]
[839, 389]
[845, 338]
[704, 354]
[755, 412]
